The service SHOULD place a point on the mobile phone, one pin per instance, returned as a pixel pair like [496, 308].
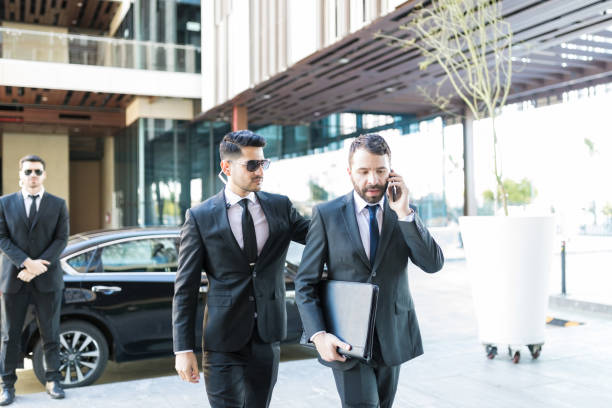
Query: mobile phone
[394, 194]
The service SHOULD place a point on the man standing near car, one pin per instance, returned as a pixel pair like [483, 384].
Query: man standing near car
[33, 234]
[367, 235]
[240, 239]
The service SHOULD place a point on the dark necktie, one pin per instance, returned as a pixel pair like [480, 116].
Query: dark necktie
[374, 233]
[32, 214]
[248, 232]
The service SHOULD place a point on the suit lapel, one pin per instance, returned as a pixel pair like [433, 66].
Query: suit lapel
[350, 220]
[220, 214]
[44, 203]
[20, 207]
[267, 206]
[389, 221]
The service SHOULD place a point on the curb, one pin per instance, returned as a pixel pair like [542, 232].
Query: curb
[581, 305]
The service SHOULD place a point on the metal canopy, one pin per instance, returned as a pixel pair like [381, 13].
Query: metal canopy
[559, 45]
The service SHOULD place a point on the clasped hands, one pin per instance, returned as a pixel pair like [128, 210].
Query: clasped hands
[33, 268]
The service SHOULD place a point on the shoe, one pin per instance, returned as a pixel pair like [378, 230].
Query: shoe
[55, 390]
[7, 397]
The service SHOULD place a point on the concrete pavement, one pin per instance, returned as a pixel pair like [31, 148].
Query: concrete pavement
[574, 370]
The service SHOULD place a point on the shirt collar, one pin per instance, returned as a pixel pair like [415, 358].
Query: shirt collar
[26, 194]
[361, 204]
[232, 198]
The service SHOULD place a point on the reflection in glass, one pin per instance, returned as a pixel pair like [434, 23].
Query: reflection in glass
[142, 255]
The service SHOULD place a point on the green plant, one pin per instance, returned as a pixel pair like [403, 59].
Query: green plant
[317, 192]
[520, 193]
[471, 44]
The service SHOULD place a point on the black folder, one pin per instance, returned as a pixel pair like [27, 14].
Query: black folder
[349, 309]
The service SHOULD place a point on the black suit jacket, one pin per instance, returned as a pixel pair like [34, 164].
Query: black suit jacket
[45, 239]
[207, 243]
[334, 239]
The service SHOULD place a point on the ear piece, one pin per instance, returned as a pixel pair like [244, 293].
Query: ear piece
[220, 175]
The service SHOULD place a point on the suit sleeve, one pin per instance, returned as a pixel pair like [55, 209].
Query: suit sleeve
[424, 251]
[299, 224]
[309, 275]
[60, 239]
[191, 261]
[7, 246]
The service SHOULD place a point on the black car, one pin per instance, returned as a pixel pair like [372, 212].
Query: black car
[118, 302]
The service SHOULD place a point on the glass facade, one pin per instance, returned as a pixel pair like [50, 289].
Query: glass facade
[163, 168]
[166, 166]
[167, 22]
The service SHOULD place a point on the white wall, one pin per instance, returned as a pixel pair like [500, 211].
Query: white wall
[99, 79]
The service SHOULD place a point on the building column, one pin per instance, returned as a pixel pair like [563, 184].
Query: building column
[240, 119]
[108, 204]
[52, 148]
[470, 206]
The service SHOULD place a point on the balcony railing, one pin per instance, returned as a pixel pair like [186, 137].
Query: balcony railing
[33, 45]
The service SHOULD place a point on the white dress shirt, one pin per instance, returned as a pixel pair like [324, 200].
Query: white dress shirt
[363, 219]
[28, 201]
[234, 214]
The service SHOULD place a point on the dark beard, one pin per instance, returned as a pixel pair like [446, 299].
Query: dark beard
[371, 200]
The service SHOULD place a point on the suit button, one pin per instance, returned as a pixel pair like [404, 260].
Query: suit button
[254, 274]
[373, 273]
[256, 315]
[251, 298]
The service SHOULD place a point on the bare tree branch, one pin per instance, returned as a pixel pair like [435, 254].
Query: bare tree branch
[468, 41]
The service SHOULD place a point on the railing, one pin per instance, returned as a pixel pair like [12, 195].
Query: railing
[34, 45]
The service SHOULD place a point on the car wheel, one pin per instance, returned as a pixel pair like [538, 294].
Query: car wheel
[83, 355]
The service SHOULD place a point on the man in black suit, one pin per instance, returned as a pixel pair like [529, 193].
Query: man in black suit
[240, 239]
[33, 234]
[367, 237]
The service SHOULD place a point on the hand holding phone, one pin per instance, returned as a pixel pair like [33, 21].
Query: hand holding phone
[398, 195]
[393, 191]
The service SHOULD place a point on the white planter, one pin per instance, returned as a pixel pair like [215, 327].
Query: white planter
[509, 261]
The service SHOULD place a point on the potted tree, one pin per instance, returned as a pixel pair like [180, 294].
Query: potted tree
[466, 46]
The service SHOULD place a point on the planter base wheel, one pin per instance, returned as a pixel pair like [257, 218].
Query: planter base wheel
[535, 350]
[491, 351]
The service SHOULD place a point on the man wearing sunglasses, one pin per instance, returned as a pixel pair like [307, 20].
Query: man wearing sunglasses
[33, 234]
[240, 239]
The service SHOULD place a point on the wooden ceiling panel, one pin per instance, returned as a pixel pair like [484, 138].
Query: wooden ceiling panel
[62, 98]
[362, 72]
[86, 14]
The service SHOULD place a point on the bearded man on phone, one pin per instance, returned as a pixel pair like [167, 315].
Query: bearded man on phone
[367, 235]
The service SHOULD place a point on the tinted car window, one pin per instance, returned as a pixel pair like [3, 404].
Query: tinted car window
[142, 255]
[82, 263]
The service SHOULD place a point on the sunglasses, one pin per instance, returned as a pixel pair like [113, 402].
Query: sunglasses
[38, 172]
[253, 165]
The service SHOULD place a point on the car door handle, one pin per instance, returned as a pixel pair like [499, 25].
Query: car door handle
[203, 289]
[106, 290]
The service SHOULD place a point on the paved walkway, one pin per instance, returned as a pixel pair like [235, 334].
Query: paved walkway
[574, 370]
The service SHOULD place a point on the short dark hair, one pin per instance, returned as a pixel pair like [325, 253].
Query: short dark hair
[232, 143]
[31, 158]
[373, 143]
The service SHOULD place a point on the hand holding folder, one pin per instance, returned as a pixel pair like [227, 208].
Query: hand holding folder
[349, 309]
